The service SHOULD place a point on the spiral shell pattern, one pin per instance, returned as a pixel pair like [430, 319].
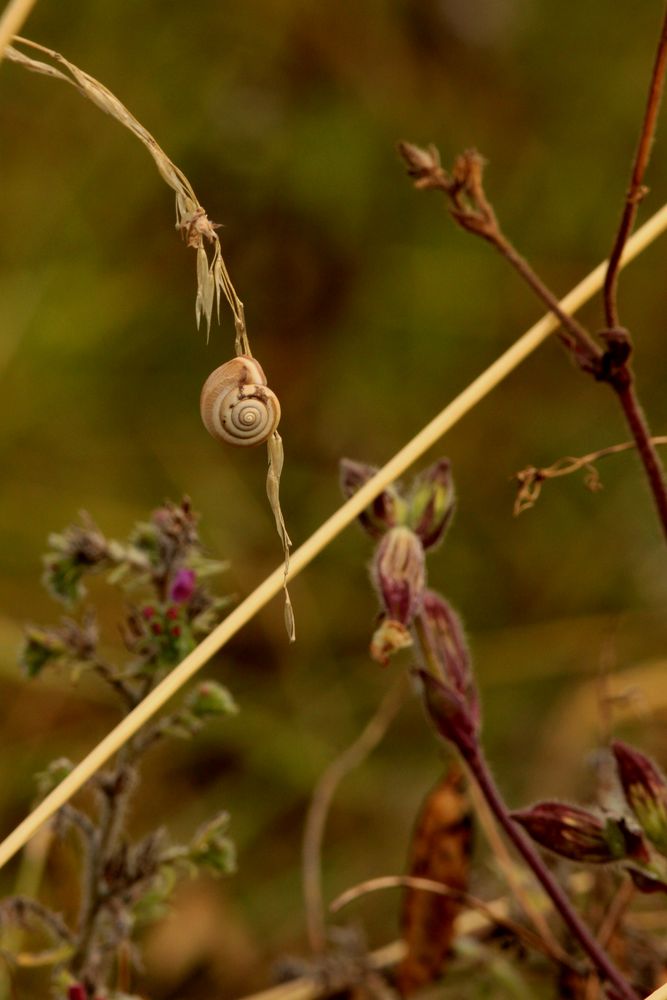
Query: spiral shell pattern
[236, 404]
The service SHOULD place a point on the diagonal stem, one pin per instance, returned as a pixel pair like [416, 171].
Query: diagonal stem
[636, 191]
[13, 17]
[482, 773]
[646, 449]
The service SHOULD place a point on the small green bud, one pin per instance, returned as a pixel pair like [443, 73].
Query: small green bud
[212, 848]
[399, 574]
[52, 775]
[431, 503]
[210, 699]
[41, 647]
[645, 791]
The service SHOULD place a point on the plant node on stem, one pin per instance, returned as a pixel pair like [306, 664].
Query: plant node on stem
[609, 363]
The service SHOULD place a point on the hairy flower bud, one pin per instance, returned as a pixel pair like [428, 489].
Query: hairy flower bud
[577, 834]
[431, 503]
[645, 791]
[211, 847]
[450, 714]
[386, 511]
[444, 634]
[210, 699]
[399, 574]
[388, 638]
[41, 647]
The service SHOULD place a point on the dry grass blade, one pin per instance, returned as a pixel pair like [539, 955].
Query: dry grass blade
[490, 911]
[318, 541]
[191, 218]
[199, 232]
[276, 460]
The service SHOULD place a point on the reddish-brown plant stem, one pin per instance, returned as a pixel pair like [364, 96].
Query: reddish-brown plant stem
[471, 209]
[646, 448]
[577, 339]
[607, 970]
[636, 190]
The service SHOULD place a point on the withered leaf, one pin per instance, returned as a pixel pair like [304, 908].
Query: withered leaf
[440, 851]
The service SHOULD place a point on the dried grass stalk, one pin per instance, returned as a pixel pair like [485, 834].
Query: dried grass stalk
[199, 232]
[191, 219]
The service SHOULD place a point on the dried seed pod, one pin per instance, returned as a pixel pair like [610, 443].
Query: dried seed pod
[236, 404]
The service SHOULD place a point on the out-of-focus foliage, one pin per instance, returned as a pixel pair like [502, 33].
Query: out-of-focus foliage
[368, 310]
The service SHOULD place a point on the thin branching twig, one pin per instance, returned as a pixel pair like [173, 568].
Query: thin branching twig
[636, 191]
[531, 479]
[320, 802]
[609, 364]
[318, 541]
[522, 933]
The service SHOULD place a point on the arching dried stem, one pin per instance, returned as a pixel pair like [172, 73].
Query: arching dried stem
[191, 219]
[198, 231]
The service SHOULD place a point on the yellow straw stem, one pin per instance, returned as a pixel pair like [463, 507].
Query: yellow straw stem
[660, 993]
[345, 514]
[13, 17]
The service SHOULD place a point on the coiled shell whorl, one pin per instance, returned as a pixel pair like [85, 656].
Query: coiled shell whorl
[236, 404]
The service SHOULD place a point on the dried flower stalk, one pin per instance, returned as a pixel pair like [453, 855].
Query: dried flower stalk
[198, 231]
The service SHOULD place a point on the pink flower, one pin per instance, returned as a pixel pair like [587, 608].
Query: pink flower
[183, 586]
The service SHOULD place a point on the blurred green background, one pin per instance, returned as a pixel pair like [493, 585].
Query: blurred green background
[368, 311]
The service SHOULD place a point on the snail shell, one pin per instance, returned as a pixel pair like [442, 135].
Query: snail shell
[236, 404]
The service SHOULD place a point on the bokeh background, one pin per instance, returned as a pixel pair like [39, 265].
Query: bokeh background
[369, 311]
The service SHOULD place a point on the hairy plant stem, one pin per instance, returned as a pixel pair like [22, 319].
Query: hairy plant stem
[115, 800]
[636, 190]
[482, 773]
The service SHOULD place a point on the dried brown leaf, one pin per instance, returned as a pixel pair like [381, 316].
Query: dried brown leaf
[440, 851]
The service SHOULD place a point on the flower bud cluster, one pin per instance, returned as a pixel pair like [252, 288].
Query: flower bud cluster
[638, 839]
[407, 525]
[426, 507]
